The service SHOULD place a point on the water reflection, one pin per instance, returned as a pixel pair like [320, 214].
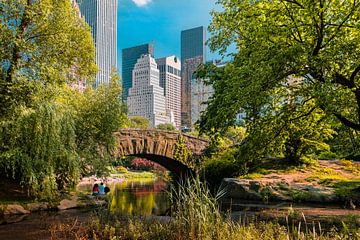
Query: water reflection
[139, 197]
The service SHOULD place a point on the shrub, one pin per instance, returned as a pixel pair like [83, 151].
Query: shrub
[145, 165]
[225, 165]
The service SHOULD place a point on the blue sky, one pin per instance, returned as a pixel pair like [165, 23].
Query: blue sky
[160, 21]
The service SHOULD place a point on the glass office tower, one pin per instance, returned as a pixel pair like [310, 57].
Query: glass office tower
[193, 53]
[129, 59]
[102, 18]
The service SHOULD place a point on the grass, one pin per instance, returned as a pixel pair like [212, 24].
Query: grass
[195, 215]
[278, 166]
[351, 167]
[348, 190]
[135, 175]
[325, 176]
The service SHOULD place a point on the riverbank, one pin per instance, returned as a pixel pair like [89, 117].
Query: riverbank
[327, 182]
[195, 215]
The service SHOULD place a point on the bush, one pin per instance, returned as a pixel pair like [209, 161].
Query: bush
[121, 169]
[328, 156]
[225, 165]
[145, 165]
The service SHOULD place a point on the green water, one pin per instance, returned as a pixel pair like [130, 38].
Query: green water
[142, 197]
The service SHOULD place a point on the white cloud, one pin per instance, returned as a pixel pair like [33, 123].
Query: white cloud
[141, 3]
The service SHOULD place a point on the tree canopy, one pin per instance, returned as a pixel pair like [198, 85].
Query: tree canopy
[315, 41]
[41, 43]
[166, 126]
[139, 122]
[296, 66]
[50, 132]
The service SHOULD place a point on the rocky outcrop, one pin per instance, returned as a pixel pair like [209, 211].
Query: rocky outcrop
[277, 190]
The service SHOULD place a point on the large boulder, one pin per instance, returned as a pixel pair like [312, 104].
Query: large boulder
[276, 190]
[15, 209]
[68, 203]
[35, 207]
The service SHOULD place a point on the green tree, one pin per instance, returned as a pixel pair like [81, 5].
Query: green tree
[166, 126]
[99, 114]
[296, 67]
[139, 122]
[317, 41]
[41, 43]
[38, 148]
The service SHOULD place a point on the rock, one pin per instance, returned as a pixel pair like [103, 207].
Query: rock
[15, 209]
[35, 207]
[68, 203]
[240, 189]
[13, 218]
[255, 185]
[276, 190]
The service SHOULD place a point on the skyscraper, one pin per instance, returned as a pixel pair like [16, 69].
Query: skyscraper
[193, 53]
[102, 18]
[201, 94]
[170, 80]
[129, 59]
[146, 97]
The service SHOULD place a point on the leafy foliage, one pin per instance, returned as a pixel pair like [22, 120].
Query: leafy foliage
[139, 122]
[295, 71]
[166, 126]
[39, 148]
[183, 154]
[41, 43]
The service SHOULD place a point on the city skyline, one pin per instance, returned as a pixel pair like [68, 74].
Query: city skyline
[161, 22]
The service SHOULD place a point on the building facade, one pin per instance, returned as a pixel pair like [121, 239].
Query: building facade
[193, 53]
[102, 18]
[146, 97]
[129, 59]
[187, 75]
[200, 94]
[170, 81]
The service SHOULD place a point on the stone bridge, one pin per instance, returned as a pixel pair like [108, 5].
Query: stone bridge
[157, 146]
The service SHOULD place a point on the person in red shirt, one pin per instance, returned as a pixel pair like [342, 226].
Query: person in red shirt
[95, 190]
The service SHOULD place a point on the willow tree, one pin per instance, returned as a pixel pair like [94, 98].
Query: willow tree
[43, 45]
[42, 42]
[312, 46]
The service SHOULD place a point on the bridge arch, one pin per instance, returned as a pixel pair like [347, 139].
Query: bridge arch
[158, 146]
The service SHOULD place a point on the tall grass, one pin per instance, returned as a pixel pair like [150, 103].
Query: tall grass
[195, 215]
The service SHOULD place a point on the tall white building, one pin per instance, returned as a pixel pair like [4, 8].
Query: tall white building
[170, 80]
[101, 15]
[146, 98]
